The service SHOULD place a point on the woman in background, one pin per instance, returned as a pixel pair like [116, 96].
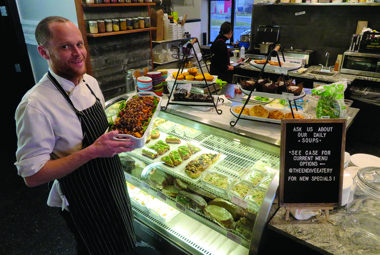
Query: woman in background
[220, 62]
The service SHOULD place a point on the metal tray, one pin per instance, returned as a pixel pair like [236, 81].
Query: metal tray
[140, 142]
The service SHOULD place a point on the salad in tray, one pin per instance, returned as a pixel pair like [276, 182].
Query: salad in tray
[134, 118]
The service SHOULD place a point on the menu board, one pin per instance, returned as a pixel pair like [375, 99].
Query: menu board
[312, 157]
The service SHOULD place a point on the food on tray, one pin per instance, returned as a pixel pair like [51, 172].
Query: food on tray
[218, 180]
[151, 153]
[262, 165]
[170, 191]
[256, 177]
[174, 155]
[269, 87]
[194, 149]
[185, 73]
[204, 160]
[290, 116]
[213, 156]
[274, 63]
[209, 78]
[220, 215]
[296, 89]
[180, 77]
[158, 121]
[163, 145]
[161, 208]
[189, 77]
[192, 71]
[134, 117]
[142, 197]
[191, 132]
[175, 74]
[148, 139]
[248, 84]
[159, 179]
[199, 78]
[245, 110]
[130, 187]
[236, 211]
[172, 139]
[184, 152]
[208, 196]
[179, 184]
[193, 169]
[155, 133]
[159, 149]
[244, 227]
[180, 94]
[256, 195]
[192, 201]
[137, 171]
[184, 95]
[265, 184]
[167, 160]
[241, 189]
[180, 129]
[259, 111]
[276, 114]
[260, 61]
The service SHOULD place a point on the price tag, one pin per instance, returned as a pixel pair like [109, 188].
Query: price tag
[239, 201]
[180, 207]
[234, 238]
[161, 195]
[145, 185]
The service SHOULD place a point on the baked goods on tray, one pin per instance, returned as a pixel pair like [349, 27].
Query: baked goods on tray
[259, 111]
[194, 169]
[174, 155]
[155, 134]
[194, 149]
[167, 160]
[150, 153]
[184, 152]
[172, 139]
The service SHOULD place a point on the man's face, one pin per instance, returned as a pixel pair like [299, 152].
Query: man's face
[65, 51]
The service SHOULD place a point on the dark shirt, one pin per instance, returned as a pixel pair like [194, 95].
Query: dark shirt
[220, 61]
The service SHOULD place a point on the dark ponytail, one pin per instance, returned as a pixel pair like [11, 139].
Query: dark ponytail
[225, 28]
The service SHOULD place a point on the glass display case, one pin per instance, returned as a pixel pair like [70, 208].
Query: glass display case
[200, 189]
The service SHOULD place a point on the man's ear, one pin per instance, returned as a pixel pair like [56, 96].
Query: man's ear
[43, 52]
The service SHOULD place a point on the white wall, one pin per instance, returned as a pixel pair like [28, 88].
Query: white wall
[31, 12]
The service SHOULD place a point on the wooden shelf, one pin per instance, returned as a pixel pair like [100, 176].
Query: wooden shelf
[121, 32]
[117, 4]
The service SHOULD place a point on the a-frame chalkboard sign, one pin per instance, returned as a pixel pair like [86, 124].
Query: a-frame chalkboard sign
[312, 157]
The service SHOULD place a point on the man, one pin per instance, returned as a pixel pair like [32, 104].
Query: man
[61, 125]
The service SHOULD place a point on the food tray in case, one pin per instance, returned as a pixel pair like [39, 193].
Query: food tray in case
[256, 177]
[141, 199]
[240, 189]
[248, 117]
[217, 181]
[255, 198]
[172, 79]
[161, 211]
[140, 142]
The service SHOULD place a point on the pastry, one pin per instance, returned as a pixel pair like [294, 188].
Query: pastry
[167, 160]
[209, 78]
[204, 160]
[295, 89]
[199, 78]
[180, 77]
[180, 95]
[290, 116]
[185, 73]
[148, 139]
[149, 153]
[194, 149]
[189, 77]
[155, 134]
[245, 110]
[213, 156]
[192, 71]
[269, 87]
[259, 111]
[193, 169]
[276, 114]
[260, 61]
[184, 152]
[172, 139]
[176, 158]
[159, 149]
[175, 74]
[164, 145]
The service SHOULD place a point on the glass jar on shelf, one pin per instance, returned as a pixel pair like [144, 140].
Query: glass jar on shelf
[123, 24]
[141, 22]
[115, 25]
[108, 23]
[135, 22]
[147, 22]
[101, 26]
[93, 26]
[129, 23]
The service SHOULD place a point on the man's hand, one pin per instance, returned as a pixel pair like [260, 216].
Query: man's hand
[105, 146]
[230, 68]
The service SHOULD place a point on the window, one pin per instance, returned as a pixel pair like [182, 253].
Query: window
[221, 11]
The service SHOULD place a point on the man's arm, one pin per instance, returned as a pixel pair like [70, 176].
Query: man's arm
[104, 146]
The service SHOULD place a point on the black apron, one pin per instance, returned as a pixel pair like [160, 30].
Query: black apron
[97, 194]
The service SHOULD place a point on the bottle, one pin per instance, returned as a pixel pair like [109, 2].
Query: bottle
[166, 27]
[242, 52]
[338, 62]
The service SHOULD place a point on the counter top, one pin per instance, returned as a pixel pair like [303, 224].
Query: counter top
[308, 75]
[328, 237]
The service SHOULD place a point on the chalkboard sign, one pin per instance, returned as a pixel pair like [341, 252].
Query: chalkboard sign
[312, 157]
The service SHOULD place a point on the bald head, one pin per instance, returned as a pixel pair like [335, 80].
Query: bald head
[43, 33]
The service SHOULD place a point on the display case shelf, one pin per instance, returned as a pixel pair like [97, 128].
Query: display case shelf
[117, 5]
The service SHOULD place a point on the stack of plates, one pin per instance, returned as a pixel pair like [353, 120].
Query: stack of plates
[164, 75]
[347, 183]
[362, 160]
[347, 157]
[156, 82]
[144, 83]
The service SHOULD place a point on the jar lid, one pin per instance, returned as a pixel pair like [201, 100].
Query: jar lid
[123, 19]
[370, 177]
[129, 18]
[135, 18]
[115, 19]
[92, 21]
[108, 20]
[100, 20]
